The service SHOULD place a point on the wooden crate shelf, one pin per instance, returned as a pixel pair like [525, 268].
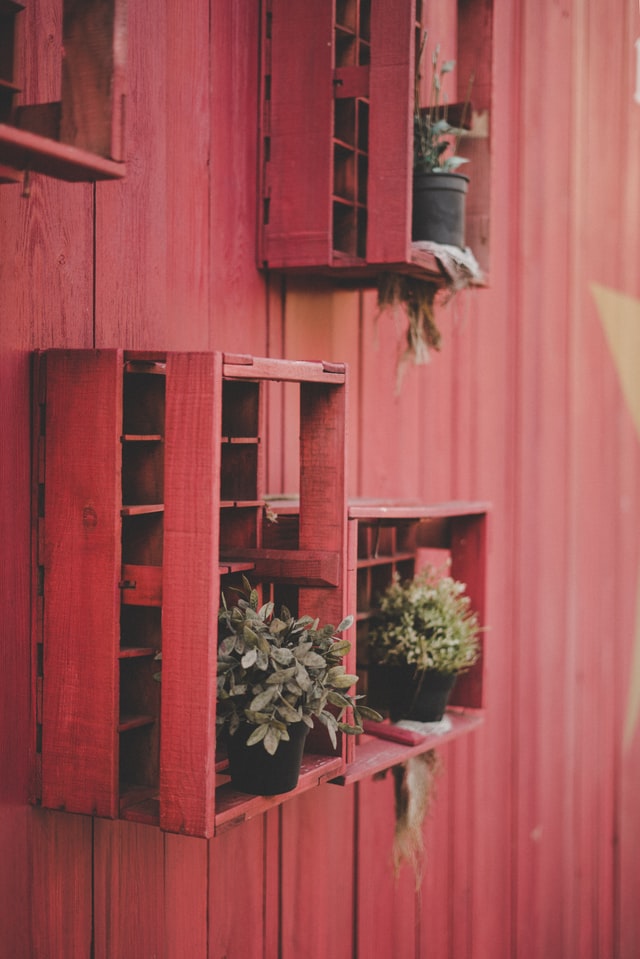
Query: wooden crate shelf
[385, 538]
[140, 521]
[345, 125]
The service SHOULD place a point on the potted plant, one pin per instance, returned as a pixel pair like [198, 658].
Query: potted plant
[276, 674]
[425, 635]
[439, 191]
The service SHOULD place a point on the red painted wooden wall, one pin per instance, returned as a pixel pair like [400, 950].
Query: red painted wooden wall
[533, 848]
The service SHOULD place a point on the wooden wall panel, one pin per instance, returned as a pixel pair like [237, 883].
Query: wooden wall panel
[59, 877]
[316, 879]
[129, 891]
[386, 914]
[186, 917]
[237, 291]
[152, 229]
[241, 882]
[536, 815]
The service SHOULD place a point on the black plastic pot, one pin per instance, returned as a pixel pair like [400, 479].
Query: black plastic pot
[439, 201]
[254, 770]
[422, 697]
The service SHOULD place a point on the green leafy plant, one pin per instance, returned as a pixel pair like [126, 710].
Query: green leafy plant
[274, 671]
[426, 622]
[433, 135]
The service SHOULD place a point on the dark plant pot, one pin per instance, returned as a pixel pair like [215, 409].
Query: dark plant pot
[439, 207]
[422, 697]
[254, 771]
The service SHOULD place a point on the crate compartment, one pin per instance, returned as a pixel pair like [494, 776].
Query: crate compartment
[144, 402]
[239, 471]
[140, 628]
[142, 472]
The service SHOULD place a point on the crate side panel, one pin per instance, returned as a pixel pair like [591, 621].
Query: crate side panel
[390, 132]
[297, 120]
[81, 573]
[190, 591]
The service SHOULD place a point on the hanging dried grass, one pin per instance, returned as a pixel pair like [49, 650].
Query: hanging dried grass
[417, 298]
[414, 794]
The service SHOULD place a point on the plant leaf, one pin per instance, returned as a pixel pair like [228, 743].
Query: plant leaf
[263, 699]
[249, 658]
[343, 682]
[258, 734]
[281, 676]
[271, 739]
[313, 660]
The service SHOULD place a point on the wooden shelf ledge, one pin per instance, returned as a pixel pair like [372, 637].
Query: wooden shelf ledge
[393, 744]
[22, 150]
[299, 566]
[233, 807]
[242, 367]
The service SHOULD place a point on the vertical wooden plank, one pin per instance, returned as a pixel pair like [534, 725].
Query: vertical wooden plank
[238, 299]
[299, 126]
[191, 589]
[186, 884]
[323, 503]
[81, 574]
[16, 922]
[386, 907]
[190, 86]
[130, 290]
[238, 869]
[94, 42]
[391, 131]
[317, 892]
[128, 891]
[60, 882]
[469, 552]
[45, 299]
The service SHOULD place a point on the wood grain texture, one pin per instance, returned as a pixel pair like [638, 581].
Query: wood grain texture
[391, 132]
[237, 297]
[81, 559]
[238, 884]
[299, 126]
[186, 921]
[129, 896]
[391, 931]
[308, 852]
[59, 876]
[191, 590]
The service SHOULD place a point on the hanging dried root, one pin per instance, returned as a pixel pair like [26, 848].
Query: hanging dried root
[414, 794]
[417, 297]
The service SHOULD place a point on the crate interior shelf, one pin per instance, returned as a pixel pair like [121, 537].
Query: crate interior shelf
[148, 501]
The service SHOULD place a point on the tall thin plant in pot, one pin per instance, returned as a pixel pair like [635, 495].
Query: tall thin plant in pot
[424, 635]
[276, 676]
[439, 190]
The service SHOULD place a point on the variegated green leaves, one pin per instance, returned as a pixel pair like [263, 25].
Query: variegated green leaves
[277, 670]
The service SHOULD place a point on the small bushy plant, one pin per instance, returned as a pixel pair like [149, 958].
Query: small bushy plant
[433, 135]
[426, 622]
[274, 671]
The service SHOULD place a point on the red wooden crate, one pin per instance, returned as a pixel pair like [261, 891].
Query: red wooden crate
[337, 113]
[133, 542]
[392, 537]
